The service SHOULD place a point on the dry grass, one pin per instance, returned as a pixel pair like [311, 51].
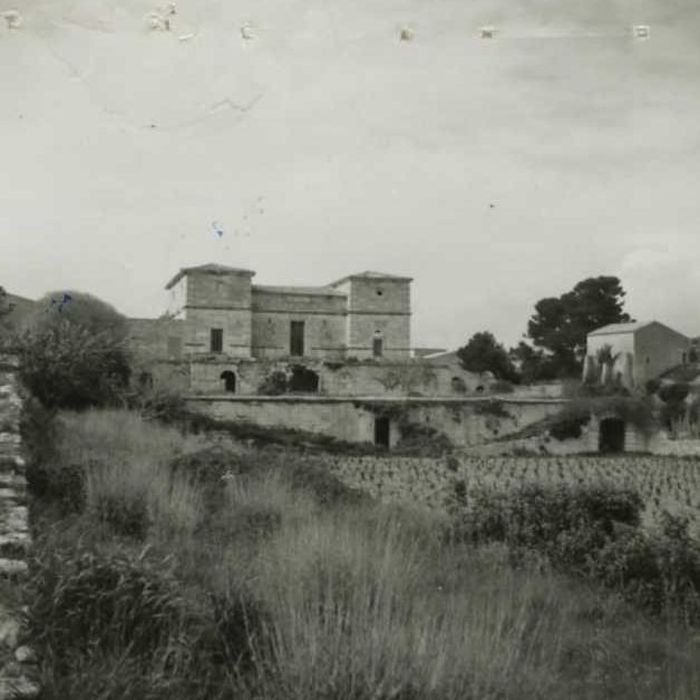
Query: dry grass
[127, 477]
[360, 602]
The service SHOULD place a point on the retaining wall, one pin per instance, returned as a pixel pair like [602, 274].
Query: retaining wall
[464, 421]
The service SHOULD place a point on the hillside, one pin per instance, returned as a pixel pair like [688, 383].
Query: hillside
[20, 308]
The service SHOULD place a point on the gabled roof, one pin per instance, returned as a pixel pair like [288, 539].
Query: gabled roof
[443, 355]
[618, 328]
[298, 291]
[428, 352]
[613, 328]
[370, 275]
[210, 268]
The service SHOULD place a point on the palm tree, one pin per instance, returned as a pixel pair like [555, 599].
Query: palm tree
[606, 361]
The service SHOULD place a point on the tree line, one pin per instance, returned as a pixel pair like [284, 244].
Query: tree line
[554, 346]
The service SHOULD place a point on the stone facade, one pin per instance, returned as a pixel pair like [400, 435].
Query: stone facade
[18, 669]
[228, 334]
[218, 310]
[369, 378]
[464, 422]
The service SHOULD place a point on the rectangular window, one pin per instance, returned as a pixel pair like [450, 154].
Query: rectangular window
[174, 346]
[382, 431]
[216, 340]
[296, 338]
[377, 347]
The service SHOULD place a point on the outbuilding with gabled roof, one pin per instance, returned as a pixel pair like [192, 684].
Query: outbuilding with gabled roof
[631, 354]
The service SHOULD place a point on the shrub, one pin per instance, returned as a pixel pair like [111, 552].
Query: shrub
[634, 410]
[674, 393]
[82, 601]
[237, 633]
[670, 413]
[126, 514]
[543, 518]
[73, 352]
[694, 411]
[652, 386]
[502, 387]
[423, 440]
[659, 572]
[207, 468]
[113, 465]
[50, 478]
[592, 531]
[135, 495]
[274, 384]
[158, 403]
[568, 427]
[327, 489]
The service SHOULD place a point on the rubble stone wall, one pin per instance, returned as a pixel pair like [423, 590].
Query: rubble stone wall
[18, 669]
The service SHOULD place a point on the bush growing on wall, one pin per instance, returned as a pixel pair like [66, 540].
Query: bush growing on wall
[633, 410]
[674, 393]
[674, 408]
[274, 384]
[569, 427]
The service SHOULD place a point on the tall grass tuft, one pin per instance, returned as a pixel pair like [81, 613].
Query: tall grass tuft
[356, 612]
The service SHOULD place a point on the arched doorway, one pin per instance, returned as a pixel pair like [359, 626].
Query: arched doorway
[229, 379]
[611, 436]
[303, 380]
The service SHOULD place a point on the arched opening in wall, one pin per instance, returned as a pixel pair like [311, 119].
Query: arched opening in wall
[458, 385]
[480, 389]
[611, 436]
[382, 431]
[303, 380]
[229, 379]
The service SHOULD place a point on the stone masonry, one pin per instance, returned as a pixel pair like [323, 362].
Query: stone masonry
[18, 668]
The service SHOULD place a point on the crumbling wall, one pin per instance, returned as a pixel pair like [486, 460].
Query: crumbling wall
[18, 670]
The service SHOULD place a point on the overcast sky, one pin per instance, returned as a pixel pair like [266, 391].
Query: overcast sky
[493, 171]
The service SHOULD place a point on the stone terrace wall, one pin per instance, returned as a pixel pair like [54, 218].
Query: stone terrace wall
[18, 671]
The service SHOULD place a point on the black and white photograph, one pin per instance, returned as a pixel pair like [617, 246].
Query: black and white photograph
[349, 350]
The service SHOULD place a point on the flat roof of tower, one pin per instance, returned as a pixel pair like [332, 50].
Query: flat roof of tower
[369, 274]
[209, 268]
[298, 291]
